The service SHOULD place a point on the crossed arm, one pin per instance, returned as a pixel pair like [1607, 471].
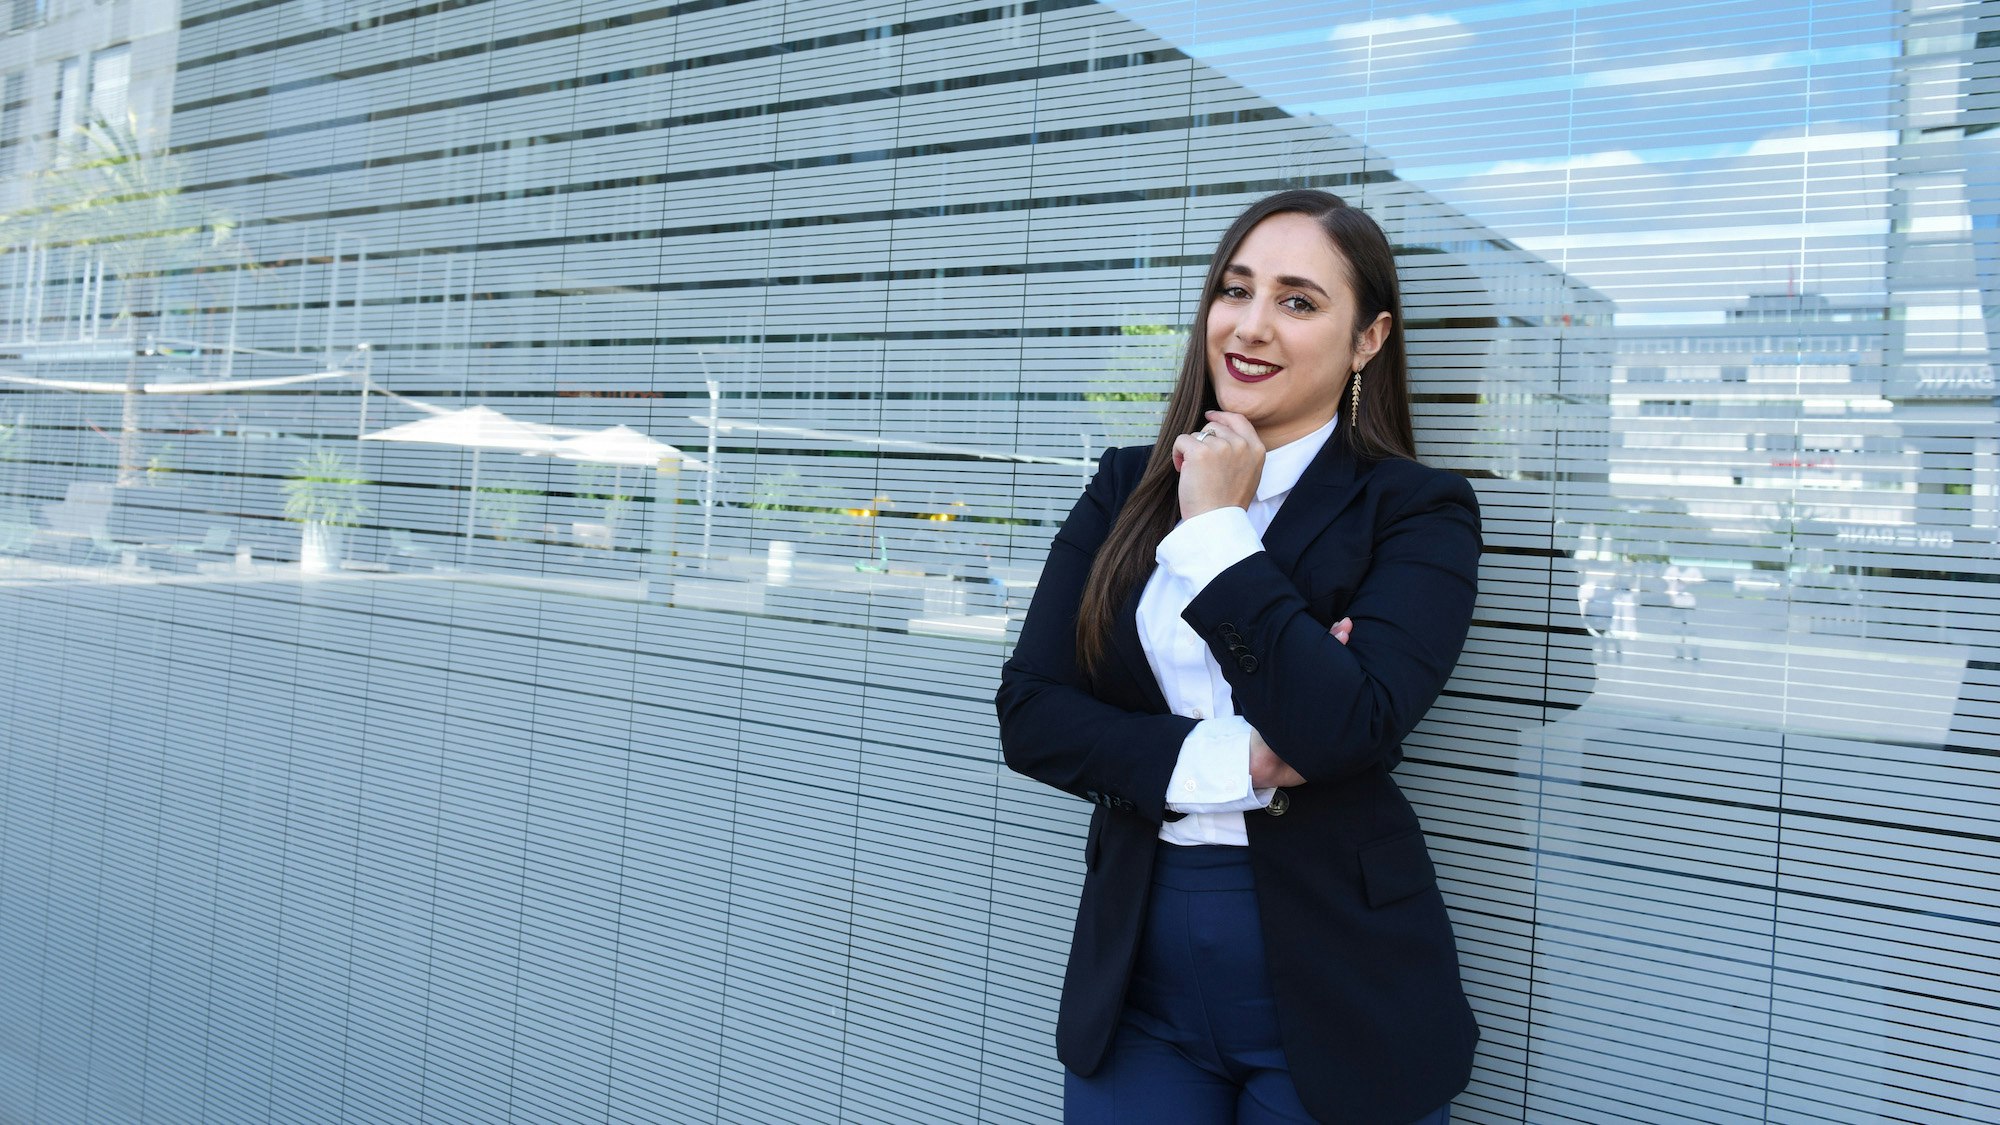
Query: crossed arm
[1322, 709]
[1328, 710]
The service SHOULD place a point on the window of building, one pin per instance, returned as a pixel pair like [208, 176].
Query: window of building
[13, 123]
[66, 113]
[110, 86]
[25, 13]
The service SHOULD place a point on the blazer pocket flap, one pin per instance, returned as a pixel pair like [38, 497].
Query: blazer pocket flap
[1396, 868]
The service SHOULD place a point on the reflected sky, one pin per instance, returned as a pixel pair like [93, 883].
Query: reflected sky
[1766, 125]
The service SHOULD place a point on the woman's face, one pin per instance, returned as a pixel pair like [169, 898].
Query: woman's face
[1281, 340]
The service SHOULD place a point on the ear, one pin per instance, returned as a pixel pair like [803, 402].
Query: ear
[1370, 339]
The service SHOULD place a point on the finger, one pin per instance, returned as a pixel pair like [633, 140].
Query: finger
[1216, 436]
[1236, 424]
[1184, 447]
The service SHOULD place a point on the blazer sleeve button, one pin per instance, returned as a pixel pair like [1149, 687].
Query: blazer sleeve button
[1280, 801]
[1247, 662]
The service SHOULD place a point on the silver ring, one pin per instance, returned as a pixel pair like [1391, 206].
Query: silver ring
[1204, 435]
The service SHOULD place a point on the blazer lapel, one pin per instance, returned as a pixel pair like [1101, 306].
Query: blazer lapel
[1132, 652]
[1323, 492]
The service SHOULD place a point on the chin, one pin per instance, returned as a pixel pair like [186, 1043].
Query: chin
[1235, 402]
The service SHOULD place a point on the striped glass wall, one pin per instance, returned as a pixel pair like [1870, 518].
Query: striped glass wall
[511, 514]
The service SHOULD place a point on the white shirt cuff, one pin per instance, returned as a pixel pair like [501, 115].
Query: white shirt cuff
[1205, 546]
[1212, 774]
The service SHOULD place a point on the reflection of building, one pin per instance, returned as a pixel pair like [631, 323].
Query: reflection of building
[1777, 407]
[1784, 446]
[84, 88]
[1763, 456]
[68, 70]
[1944, 255]
[463, 294]
[65, 66]
[1774, 416]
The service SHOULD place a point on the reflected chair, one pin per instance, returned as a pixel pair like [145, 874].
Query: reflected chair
[108, 551]
[214, 541]
[403, 545]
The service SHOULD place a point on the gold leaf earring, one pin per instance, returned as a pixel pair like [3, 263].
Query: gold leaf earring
[1355, 383]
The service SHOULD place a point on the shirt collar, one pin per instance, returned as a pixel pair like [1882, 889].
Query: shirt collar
[1284, 465]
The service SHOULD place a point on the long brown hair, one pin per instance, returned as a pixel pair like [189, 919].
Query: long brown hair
[1382, 430]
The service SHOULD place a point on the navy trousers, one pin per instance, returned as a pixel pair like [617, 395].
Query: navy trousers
[1198, 1044]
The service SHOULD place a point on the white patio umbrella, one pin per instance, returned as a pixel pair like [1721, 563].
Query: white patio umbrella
[621, 446]
[478, 428]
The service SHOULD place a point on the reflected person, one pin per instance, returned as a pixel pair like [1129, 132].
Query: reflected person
[1260, 937]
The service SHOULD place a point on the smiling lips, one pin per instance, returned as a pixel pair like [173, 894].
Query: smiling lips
[1246, 370]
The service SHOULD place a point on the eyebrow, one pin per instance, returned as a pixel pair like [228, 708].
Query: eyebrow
[1288, 280]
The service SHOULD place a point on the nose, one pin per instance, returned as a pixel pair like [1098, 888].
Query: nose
[1253, 325]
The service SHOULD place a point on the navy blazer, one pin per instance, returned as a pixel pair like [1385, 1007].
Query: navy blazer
[1364, 970]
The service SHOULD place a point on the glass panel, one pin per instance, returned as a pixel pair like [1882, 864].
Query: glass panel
[510, 518]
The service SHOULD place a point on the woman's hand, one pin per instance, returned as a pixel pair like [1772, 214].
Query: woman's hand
[1222, 469]
[1267, 770]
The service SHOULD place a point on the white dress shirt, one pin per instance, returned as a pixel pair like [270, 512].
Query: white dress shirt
[1211, 781]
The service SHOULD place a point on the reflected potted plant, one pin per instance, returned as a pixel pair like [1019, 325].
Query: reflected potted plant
[323, 493]
[505, 508]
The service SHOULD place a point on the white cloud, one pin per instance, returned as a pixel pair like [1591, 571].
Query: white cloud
[1875, 141]
[1822, 142]
[1394, 25]
[1691, 236]
[1615, 158]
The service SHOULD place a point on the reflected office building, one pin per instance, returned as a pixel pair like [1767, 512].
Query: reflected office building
[510, 520]
[1763, 466]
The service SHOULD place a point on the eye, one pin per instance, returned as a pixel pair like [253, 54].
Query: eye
[1297, 303]
[1233, 292]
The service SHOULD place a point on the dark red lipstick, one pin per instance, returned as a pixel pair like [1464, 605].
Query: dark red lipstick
[1262, 370]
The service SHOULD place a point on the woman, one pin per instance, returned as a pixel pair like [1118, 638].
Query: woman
[1260, 936]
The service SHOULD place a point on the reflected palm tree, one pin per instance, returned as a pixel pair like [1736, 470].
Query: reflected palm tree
[115, 198]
